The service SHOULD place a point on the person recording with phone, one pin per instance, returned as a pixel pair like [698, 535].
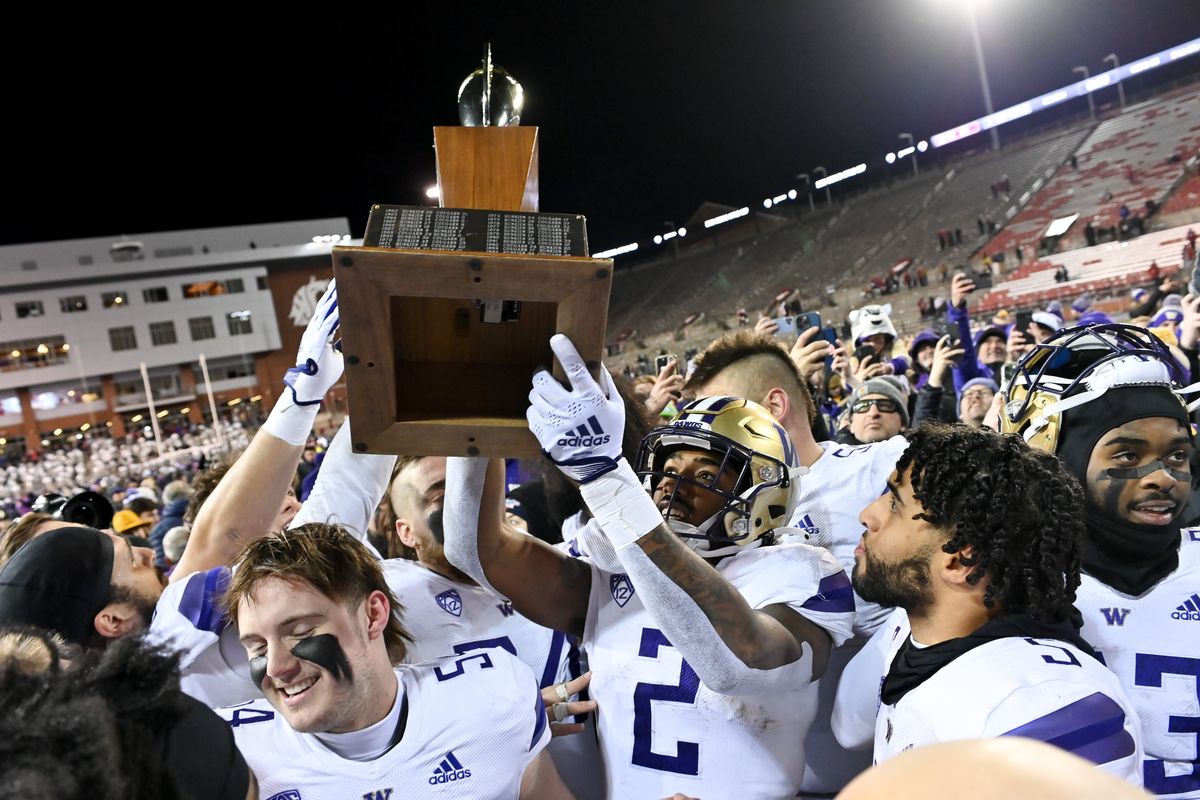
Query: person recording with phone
[874, 338]
[985, 353]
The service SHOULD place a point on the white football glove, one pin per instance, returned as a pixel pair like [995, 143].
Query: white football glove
[318, 364]
[580, 430]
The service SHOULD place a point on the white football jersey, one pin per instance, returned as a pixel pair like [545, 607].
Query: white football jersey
[1152, 643]
[475, 722]
[661, 731]
[448, 618]
[213, 666]
[838, 486]
[1043, 689]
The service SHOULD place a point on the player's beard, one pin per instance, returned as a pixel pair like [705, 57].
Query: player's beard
[902, 584]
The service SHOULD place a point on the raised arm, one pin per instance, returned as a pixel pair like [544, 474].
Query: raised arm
[734, 648]
[348, 488]
[247, 501]
[545, 585]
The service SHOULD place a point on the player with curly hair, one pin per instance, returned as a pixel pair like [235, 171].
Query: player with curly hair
[977, 543]
[1027, 551]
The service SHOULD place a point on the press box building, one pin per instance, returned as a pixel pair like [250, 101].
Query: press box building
[78, 318]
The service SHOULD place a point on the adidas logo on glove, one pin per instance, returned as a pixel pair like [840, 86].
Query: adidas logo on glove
[586, 438]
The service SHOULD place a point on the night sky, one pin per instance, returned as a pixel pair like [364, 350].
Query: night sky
[136, 124]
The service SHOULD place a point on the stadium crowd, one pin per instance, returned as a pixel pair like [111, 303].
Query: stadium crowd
[755, 576]
[808, 558]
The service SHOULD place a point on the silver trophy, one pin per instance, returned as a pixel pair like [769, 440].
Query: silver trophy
[490, 96]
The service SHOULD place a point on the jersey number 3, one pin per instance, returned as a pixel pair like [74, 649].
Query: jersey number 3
[686, 760]
[1149, 671]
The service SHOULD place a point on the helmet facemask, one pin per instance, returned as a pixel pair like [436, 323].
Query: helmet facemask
[740, 521]
[1076, 366]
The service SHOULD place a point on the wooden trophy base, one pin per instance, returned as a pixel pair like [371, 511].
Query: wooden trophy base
[441, 346]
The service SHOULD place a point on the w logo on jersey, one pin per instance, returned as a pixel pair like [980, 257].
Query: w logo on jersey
[506, 608]
[1115, 616]
[449, 770]
[290, 794]
[806, 525]
[450, 601]
[378, 794]
[621, 588]
[1189, 609]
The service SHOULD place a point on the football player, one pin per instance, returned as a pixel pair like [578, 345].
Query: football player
[976, 542]
[323, 634]
[1106, 400]
[841, 481]
[704, 636]
[447, 612]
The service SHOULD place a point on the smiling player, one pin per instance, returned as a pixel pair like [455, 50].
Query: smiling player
[322, 631]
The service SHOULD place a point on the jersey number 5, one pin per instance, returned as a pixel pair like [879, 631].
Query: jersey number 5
[686, 760]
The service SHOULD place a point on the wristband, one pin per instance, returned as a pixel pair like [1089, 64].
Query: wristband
[620, 505]
[290, 422]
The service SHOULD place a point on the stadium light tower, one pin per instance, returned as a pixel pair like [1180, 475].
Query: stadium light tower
[1091, 102]
[912, 145]
[983, 78]
[804, 176]
[824, 174]
[1120, 84]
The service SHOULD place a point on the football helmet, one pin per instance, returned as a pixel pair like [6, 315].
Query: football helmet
[743, 437]
[1076, 366]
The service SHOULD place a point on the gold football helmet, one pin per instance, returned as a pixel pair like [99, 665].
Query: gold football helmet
[1076, 366]
[746, 438]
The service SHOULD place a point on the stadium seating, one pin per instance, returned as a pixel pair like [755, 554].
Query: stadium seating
[965, 196]
[1104, 267]
[1126, 160]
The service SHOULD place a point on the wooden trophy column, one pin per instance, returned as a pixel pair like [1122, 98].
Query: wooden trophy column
[487, 167]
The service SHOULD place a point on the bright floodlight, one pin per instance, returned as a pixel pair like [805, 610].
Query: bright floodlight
[890, 158]
[723, 218]
[657, 239]
[616, 251]
[433, 192]
[792, 194]
[682, 232]
[767, 203]
[922, 146]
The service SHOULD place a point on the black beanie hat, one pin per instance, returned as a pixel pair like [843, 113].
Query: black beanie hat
[59, 581]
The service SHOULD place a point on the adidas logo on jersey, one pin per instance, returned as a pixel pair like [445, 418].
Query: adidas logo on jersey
[449, 770]
[586, 438]
[806, 525]
[1189, 609]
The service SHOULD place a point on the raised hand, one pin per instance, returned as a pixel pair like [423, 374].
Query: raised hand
[318, 364]
[579, 430]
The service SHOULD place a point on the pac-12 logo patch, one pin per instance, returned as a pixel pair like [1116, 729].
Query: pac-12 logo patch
[621, 588]
[450, 601]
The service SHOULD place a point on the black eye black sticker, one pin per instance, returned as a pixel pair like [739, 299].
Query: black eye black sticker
[1136, 473]
[326, 652]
